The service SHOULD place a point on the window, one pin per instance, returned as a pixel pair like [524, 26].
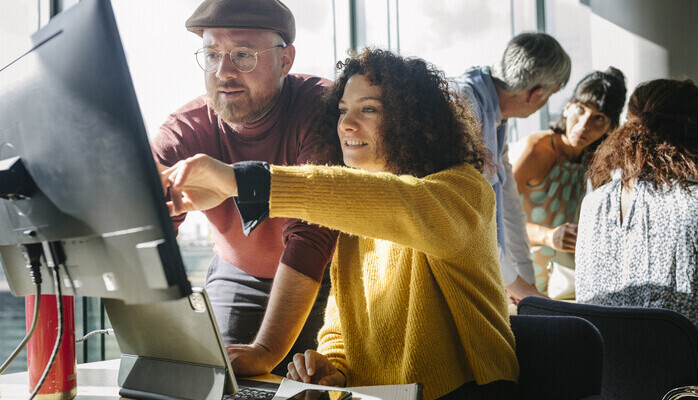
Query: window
[451, 34]
[18, 20]
[568, 21]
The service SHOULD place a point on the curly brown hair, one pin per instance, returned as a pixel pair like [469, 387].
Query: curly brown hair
[426, 127]
[659, 143]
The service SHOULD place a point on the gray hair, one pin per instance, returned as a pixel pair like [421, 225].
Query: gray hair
[530, 60]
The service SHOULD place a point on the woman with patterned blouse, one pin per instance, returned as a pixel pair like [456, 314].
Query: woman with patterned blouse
[550, 171]
[638, 231]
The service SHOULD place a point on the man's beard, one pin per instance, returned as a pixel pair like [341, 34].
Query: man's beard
[245, 110]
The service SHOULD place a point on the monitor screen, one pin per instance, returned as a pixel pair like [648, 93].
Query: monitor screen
[68, 110]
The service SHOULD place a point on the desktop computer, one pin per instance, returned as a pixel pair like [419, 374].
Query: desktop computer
[79, 190]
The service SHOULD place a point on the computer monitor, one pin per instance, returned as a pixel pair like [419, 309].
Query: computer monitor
[77, 173]
[69, 116]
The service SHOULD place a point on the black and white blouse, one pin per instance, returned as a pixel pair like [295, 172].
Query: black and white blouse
[647, 260]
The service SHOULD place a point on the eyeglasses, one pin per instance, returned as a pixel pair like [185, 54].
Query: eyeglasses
[243, 58]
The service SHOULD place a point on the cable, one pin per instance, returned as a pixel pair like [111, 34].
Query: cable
[59, 337]
[32, 253]
[95, 332]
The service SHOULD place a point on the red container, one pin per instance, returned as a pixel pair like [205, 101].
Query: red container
[61, 383]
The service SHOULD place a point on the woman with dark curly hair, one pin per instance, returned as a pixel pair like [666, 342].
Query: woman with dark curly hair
[638, 241]
[417, 294]
[414, 99]
[550, 172]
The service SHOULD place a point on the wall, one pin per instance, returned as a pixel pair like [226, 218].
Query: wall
[647, 39]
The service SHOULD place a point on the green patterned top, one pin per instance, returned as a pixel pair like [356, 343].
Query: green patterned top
[551, 203]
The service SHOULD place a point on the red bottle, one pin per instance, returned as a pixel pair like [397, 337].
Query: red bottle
[61, 383]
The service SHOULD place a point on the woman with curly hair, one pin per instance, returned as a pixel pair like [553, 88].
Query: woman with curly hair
[638, 241]
[550, 172]
[417, 294]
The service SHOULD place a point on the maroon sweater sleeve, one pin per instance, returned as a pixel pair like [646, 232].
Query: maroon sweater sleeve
[308, 248]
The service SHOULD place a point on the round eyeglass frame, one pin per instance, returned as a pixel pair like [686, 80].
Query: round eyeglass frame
[253, 52]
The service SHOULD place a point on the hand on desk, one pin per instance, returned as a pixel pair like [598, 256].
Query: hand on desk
[313, 367]
[249, 359]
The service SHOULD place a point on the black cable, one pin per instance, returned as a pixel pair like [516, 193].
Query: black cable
[32, 253]
[59, 337]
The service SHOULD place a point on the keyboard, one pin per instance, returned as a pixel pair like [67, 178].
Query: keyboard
[248, 393]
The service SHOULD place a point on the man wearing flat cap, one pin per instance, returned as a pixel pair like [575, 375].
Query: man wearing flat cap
[268, 282]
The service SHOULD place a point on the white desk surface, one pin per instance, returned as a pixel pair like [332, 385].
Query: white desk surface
[96, 381]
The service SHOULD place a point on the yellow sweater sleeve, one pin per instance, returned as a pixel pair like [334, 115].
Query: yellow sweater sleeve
[420, 213]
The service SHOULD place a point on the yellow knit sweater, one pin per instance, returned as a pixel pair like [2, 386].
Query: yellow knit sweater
[417, 293]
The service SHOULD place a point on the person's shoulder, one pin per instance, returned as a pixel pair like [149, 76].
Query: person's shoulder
[476, 72]
[460, 171]
[541, 143]
[194, 109]
[195, 105]
[306, 90]
[465, 182]
[602, 194]
[195, 113]
[538, 144]
[477, 87]
[688, 192]
[308, 82]
[475, 79]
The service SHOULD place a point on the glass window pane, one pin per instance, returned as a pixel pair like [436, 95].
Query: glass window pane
[569, 21]
[18, 20]
[454, 34]
[160, 54]
[458, 34]
[373, 28]
[12, 326]
[315, 38]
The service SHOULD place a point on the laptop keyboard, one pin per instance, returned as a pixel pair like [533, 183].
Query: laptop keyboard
[247, 393]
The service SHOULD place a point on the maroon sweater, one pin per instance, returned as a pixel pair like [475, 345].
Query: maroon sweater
[282, 137]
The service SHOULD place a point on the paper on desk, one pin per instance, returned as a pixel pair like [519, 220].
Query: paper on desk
[382, 392]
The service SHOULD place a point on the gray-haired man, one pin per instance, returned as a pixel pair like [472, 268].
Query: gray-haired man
[532, 68]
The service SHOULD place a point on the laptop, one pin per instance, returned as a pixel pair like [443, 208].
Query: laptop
[173, 350]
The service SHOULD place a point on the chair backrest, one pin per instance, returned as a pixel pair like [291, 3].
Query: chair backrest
[647, 351]
[560, 358]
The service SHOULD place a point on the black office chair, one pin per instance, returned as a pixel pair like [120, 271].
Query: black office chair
[560, 358]
[647, 351]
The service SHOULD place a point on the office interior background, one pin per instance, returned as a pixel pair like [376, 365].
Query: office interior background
[646, 39]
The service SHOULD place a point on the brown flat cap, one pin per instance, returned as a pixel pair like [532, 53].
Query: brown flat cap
[245, 14]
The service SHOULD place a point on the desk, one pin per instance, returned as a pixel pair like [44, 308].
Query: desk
[96, 381]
